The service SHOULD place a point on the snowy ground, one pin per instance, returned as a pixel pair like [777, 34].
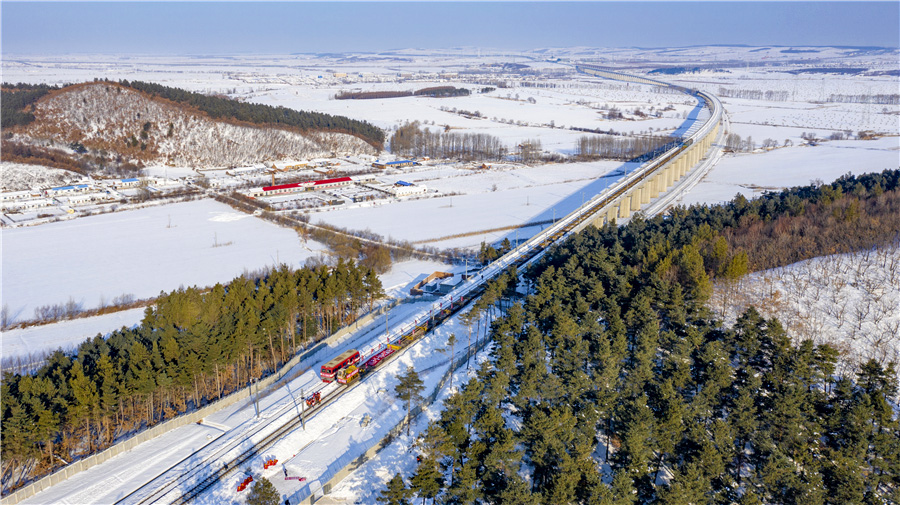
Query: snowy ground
[486, 200]
[753, 174]
[849, 301]
[142, 252]
[36, 341]
[364, 485]
[333, 435]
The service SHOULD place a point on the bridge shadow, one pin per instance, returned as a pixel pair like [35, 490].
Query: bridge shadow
[573, 201]
[692, 118]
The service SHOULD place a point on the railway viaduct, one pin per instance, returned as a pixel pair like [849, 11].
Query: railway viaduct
[660, 174]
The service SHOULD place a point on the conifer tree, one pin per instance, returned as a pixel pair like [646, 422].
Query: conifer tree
[409, 390]
[263, 493]
[427, 481]
[395, 493]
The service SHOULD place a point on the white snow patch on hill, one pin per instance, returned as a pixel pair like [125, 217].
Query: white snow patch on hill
[847, 300]
[21, 177]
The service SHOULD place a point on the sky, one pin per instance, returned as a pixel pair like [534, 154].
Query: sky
[319, 27]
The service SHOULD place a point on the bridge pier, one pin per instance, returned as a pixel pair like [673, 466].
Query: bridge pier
[636, 199]
[645, 192]
[654, 186]
[625, 207]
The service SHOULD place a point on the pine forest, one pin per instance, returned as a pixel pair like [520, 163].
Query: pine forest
[613, 383]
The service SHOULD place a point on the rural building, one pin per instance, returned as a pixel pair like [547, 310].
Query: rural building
[29, 203]
[124, 183]
[449, 285]
[84, 198]
[283, 189]
[290, 165]
[67, 190]
[403, 188]
[332, 183]
[18, 195]
[393, 164]
[425, 285]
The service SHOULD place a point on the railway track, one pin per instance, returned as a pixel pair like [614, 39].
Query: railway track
[202, 475]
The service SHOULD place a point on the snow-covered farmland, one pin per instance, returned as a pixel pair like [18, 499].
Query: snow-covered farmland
[753, 174]
[30, 345]
[484, 200]
[142, 252]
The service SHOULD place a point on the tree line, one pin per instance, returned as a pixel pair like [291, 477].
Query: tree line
[613, 383]
[873, 99]
[755, 94]
[434, 92]
[220, 107]
[411, 140]
[192, 348]
[592, 147]
[17, 102]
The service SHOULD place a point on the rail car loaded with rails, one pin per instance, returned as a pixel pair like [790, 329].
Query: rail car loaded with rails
[346, 368]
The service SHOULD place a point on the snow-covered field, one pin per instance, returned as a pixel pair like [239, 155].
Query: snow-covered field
[36, 341]
[485, 200]
[753, 174]
[92, 260]
[851, 301]
[142, 252]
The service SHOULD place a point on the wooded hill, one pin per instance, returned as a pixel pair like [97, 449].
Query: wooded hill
[189, 350]
[105, 122]
[225, 108]
[613, 384]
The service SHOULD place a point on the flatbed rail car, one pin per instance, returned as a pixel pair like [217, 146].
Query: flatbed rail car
[353, 372]
[345, 359]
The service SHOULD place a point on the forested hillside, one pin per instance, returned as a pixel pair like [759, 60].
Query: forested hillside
[107, 122]
[224, 108]
[16, 102]
[613, 383]
[192, 348]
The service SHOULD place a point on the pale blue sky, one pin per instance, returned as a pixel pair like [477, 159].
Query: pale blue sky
[293, 27]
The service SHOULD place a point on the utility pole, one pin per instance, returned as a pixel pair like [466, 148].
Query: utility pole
[294, 399]
[255, 399]
[302, 409]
